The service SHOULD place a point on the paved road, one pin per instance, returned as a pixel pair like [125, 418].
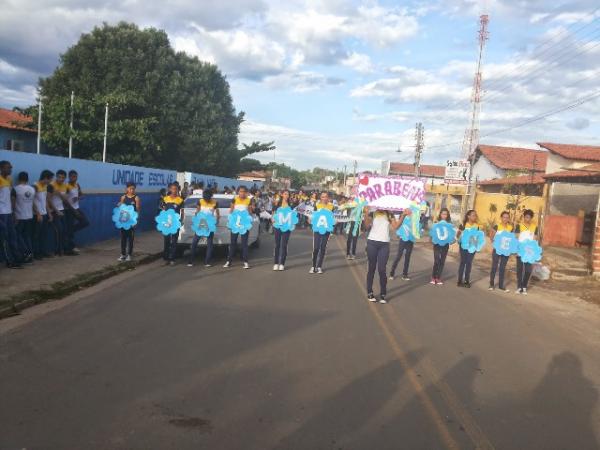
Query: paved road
[179, 358]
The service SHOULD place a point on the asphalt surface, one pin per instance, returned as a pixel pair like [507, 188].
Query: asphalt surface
[180, 358]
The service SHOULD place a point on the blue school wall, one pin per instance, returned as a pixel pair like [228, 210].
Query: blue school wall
[211, 180]
[102, 185]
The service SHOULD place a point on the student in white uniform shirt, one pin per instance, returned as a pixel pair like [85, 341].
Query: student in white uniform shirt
[75, 219]
[42, 209]
[8, 234]
[23, 195]
[378, 249]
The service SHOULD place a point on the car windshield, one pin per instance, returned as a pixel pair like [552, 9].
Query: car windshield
[192, 202]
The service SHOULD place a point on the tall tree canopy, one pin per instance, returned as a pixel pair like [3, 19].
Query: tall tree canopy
[166, 109]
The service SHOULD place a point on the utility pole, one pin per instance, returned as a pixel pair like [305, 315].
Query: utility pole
[39, 133]
[105, 132]
[71, 127]
[419, 133]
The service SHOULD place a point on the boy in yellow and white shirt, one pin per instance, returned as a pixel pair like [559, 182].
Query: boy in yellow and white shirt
[8, 234]
[75, 219]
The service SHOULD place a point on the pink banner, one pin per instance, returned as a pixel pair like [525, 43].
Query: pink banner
[391, 193]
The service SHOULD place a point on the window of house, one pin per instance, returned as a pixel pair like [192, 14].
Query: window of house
[7, 145]
[17, 146]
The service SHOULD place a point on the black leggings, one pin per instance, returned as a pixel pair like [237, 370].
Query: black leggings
[464, 268]
[523, 273]
[403, 247]
[170, 247]
[352, 240]
[439, 259]
[281, 244]
[319, 248]
[127, 237]
[233, 246]
[498, 263]
[378, 254]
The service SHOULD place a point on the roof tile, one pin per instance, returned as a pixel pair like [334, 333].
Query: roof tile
[515, 158]
[14, 120]
[590, 171]
[427, 170]
[571, 151]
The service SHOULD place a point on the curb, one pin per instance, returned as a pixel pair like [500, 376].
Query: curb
[61, 289]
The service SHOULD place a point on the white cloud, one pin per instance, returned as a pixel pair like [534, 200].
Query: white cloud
[302, 81]
[360, 62]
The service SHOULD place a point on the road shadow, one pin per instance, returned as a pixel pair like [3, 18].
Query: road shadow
[349, 410]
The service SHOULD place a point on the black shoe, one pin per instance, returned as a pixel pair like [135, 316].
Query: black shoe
[467, 284]
[382, 299]
[371, 298]
[14, 266]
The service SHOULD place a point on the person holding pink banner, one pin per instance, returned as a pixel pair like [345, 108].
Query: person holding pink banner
[378, 250]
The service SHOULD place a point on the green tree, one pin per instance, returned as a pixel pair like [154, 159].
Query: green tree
[166, 109]
[249, 164]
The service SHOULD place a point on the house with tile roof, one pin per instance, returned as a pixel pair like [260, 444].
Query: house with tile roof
[16, 133]
[569, 156]
[494, 161]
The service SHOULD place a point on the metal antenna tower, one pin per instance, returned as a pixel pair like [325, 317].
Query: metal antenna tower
[471, 140]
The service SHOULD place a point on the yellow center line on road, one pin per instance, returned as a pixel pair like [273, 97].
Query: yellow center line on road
[471, 427]
[434, 415]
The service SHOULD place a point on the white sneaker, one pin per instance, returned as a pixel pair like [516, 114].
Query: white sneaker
[276, 267]
[128, 258]
[390, 278]
[246, 265]
[371, 298]
[190, 265]
[281, 267]
[121, 258]
[405, 278]
[519, 291]
[207, 265]
[312, 270]
[524, 291]
[353, 257]
[491, 288]
[226, 265]
[319, 270]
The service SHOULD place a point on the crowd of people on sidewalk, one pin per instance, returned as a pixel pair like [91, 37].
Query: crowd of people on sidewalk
[39, 220]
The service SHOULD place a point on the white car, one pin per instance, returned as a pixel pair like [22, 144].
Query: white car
[222, 235]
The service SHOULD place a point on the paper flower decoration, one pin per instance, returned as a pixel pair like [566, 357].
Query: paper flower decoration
[285, 219]
[442, 233]
[530, 251]
[239, 222]
[203, 224]
[404, 231]
[323, 221]
[505, 243]
[125, 217]
[168, 222]
[472, 240]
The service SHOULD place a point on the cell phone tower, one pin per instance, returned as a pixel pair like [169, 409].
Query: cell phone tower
[471, 140]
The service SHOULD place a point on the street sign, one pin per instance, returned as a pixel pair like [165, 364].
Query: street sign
[457, 171]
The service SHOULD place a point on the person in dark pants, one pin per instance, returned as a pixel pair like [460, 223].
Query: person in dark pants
[128, 236]
[281, 237]
[23, 195]
[75, 219]
[526, 230]
[59, 201]
[499, 262]
[378, 251]
[440, 252]
[241, 202]
[42, 208]
[10, 238]
[466, 258]
[205, 205]
[320, 240]
[172, 201]
[353, 230]
[405, 247]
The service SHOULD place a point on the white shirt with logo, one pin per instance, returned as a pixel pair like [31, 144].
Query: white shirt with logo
[24, 195]
[41, 193]
[73, 192]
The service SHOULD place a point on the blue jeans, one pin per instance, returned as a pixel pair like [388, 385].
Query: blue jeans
[209, 248]
[25, 232]
[59, 226]
[404, 248]
[464, 268]
[10, 240]
[319, 248]
[281, 244]
[40, 237]
[75, 220]
[378, 254]
[233, 246]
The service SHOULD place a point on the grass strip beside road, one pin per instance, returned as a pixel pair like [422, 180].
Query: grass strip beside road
[13, 305]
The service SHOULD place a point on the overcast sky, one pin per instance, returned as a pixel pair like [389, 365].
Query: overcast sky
[332, 81]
